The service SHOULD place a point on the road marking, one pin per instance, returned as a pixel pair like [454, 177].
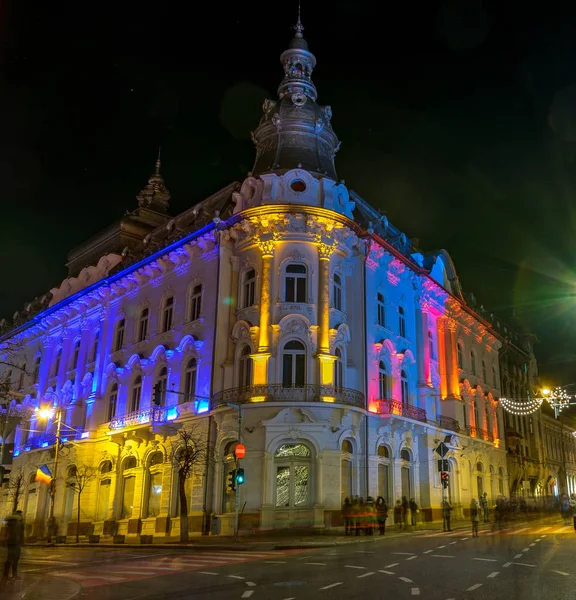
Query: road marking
[316, 564]
[275, 562]
[207, 573]
[543, 536]
[507, 564]
[542, 529]
[561, 573]
[493, 574]
[365, 575]
[247, 593]
[518, 556]
[525, 549]
[291, 598]
[236, 577]
[415, 591]
[453, 543]
[538, 541]
[524, 564]
[462, 539]
[440, 546]
[532, 544]
[404, 553]
[443, 556]
[82, 576]
[364, 551]
[354, 567]
[405, 579]
[250, 584]
[564, 529]
[519, 531]
[427, 551]
[387, 572]
[411, 558]
[121, 571]
[474, 587]
[327, 587]
[391, 565]
[486, 559]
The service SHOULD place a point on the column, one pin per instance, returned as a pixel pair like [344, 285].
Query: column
[326, 360]
[422, 343]
[234, 292]
[440, 332]
[260, 359]
[452, 360]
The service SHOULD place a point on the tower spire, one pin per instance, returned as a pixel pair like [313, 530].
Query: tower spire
[155, 195]
[158, 162]
[299, 27]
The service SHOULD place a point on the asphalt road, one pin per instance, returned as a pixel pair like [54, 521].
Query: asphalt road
[525, 562]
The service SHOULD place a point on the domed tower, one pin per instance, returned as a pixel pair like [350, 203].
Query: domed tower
[295, 131]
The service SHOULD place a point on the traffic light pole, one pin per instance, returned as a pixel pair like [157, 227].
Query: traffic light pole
[236, 515]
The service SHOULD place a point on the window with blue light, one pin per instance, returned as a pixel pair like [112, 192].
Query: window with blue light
[381, 309]
[401, 322]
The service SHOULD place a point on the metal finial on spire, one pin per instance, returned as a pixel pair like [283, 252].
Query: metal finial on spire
[158, 161]
[299, 27]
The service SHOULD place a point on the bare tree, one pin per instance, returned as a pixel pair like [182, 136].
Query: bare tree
[189, 457]
[78, 479]
[16, 488]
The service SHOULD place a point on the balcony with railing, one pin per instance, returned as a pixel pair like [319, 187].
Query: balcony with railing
[448, 423]
[279, 393]
[390, 408]
[157, 415]
[46, 440]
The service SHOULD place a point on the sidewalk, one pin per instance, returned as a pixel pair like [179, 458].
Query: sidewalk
[34, 587]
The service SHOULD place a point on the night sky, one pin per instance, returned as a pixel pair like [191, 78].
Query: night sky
[458, 120]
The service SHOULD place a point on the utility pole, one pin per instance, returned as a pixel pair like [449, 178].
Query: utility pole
[52, 529]
[236, 515]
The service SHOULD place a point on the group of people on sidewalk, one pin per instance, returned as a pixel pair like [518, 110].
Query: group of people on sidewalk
[366, 516]
[12, 538]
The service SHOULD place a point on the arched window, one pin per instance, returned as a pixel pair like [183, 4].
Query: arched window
[383, 452]
[346, 469]
[195, 303]
[460, 356]
[190, 377]
[405, 455]
[405, 473]
[245, 368]
[384, 473]
[128, 487]
[295, 283]
[104, 491]
[294, 364]
[162, 383]
[112, 401]
[405, 387]
[431, 346]
[168, 314]
[136, 394]
[381, 309]
[119, 336]
[382, 381]
[484, 372]
[36, 372]
[94, 349]
[338, 369]
[249, 288]
[401, 322]
[473, 362]
[155, 484]
[292, 462]
[143, 324]
[337, 292]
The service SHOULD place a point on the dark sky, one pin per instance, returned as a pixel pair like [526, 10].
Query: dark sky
[458, 119]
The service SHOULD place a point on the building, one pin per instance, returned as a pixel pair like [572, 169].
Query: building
[286, 300]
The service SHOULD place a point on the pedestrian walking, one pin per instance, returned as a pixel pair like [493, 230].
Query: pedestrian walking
[370, 516]
[347, 516]
[484, 506]
[14, 540]
[474, 516]
[381, 514]
[398, 514]
[356, 516]
[446, 510]
[414, 510]
[405, 509]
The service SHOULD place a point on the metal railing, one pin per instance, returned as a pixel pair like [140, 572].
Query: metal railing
[396, 408]
[157, 414]
[448, 423]
[279, 393]
[480, 433]
[45, 440]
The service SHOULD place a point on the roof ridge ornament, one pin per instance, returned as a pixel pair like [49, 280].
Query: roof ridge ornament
[155, 195]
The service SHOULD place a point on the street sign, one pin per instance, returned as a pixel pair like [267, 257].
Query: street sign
[442, 449]
[240, 451]
[443, 466]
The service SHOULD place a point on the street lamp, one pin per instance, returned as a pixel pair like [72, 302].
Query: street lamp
[45, 414]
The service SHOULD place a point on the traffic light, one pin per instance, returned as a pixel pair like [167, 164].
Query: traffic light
[157, 397]
[445, 479]
[240, 476]
[231, 483]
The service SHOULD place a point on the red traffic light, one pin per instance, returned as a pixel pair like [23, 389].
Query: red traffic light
[240, 451]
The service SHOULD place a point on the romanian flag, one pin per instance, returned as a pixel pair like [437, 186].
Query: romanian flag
[551, 480]
[43, 475]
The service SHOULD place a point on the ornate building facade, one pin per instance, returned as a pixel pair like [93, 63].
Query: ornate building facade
[286, 300]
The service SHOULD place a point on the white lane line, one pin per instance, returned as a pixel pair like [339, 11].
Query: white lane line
[250, 584]
[247, 593]
[462, 539]
[405, 579]
[365, 575]
[560, 572]
[411, 557]
[524, 564]
[391, 565]
[235, 576]
[317, 564]
[474, 587]
[415, 591]
[453, 543]
[404, 553]
[291, 598]
[486, 559]
[440, 546]
[442, 556]
[525, 549]
[387, 572]
[507, 564]
[327, 587]
[207, 573]
[493, 574]
[542, 529]
[427, 551]
[538, 541]
[518, 556]
[275, 562]
[519, 531]
[532, 544]
[353, 567]
[543, 536]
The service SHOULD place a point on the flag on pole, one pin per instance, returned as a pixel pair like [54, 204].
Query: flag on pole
[44, 475]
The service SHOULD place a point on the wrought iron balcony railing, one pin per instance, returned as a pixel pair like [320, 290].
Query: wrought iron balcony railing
[279, 393]
[45, 440]
[448, 423]
[397, 408]
[149, 416]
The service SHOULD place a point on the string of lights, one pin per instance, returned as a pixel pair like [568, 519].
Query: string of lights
[558, 399]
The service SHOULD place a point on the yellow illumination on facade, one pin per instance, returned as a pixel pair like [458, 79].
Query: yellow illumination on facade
[328, 399]
[258, 399]
[260, 364]
[326, 369]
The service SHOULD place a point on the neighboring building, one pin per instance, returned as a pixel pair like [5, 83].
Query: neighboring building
[559, 443]
[351, 354]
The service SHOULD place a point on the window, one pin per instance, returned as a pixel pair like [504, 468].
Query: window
[249, 288]
[476, 416]
[163, 385]
[195, 303]
[346, 469]
[245, 368]
[292, 463]
[337, 292]
[143, 324]
[381, 310]
[494, 380]
[401, 322]
[104, 492]
[294, 364]
[384, 473]
[484, 372]
[382, 381]
[460, 356]
[119, 337]
[488, 422]
[404, 387]
[190, 381]
[383, 452]
[128, 497]
[36, 372]
[295, 283]
[168, 314]
[136, 394]
[112, 402]
[473, 363]
[338, 370]
[431, 346]
[94, 350]
[155, 484]
[22, 375]
[405, 455]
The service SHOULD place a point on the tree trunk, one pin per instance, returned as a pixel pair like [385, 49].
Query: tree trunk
[17, 491]
[183, 508]
[78, 522]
